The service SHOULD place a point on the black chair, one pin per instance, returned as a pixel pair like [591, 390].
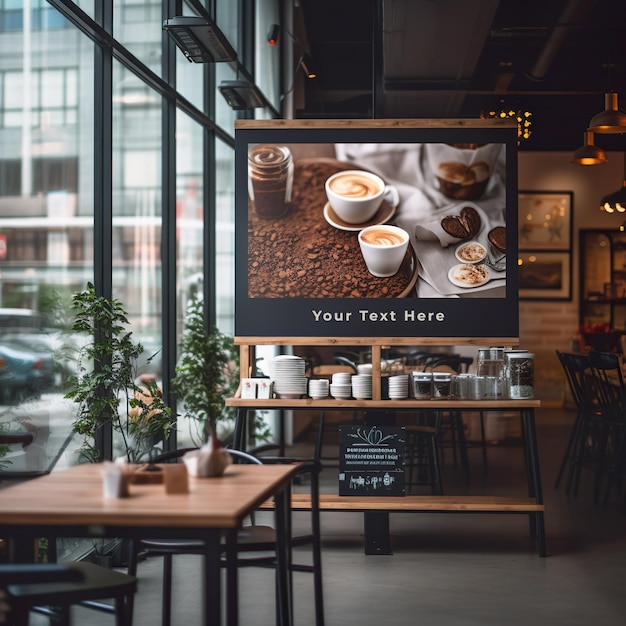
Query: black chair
[452, 429]
[422, 452]
[254, 546]
[581, 449]
[51, 589]
[610, 394]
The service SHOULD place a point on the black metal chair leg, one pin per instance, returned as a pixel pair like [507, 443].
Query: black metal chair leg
[166, 616]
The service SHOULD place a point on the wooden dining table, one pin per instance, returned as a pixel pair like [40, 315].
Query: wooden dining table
[70, 503]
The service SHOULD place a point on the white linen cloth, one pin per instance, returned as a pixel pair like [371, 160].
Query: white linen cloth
[422, 206]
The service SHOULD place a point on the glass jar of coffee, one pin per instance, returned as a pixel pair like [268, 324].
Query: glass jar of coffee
[270, 179]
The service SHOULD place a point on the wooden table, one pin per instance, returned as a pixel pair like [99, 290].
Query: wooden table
[376, 509]
[70, 503]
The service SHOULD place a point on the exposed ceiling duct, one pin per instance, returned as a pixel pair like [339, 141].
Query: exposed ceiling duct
[430, 51]
[460, 58]
[573, 15]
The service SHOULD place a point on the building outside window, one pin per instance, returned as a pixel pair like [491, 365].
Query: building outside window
[54, 175]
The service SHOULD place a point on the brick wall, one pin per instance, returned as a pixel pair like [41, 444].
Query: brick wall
[544, 328]
[547, 326]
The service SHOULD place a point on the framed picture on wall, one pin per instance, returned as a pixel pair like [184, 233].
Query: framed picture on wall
[545, 275]
[545, 220]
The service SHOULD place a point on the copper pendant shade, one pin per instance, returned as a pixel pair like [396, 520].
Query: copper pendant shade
[611, 120]
[588, 153]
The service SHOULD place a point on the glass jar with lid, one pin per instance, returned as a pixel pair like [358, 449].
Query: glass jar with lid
[520, 368]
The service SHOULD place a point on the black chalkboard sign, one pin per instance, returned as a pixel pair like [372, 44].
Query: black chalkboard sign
[371, 460]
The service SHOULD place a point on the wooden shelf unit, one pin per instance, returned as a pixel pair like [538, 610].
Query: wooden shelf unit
[376, 509]
[247, 347]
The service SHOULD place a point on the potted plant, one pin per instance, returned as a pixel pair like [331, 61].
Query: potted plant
[104, 386]
[206, 374]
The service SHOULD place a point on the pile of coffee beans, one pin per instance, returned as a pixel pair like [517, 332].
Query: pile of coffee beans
[300, 255]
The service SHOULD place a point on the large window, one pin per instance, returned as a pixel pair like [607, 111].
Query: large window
[46, 249]
[102, 148]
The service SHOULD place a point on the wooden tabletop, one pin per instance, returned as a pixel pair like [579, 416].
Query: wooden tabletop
[75, 497]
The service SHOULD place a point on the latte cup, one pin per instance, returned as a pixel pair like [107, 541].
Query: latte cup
[356, 195]
[383, 248]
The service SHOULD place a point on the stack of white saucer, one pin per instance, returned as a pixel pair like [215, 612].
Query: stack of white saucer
[398, 387]
[341, 385]
[318, 388]
[362, 386]
[287, 373]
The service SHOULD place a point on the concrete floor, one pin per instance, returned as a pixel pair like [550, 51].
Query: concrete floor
[456, 570]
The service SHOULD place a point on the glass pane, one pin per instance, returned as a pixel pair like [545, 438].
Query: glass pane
[137, 25]
[224, 115]
[46, 249]
[190, 228]
[266, 57]
[190, 80]
[87, 6]
[52, 86]
[13, 96]
[137, 223]
[226, 18]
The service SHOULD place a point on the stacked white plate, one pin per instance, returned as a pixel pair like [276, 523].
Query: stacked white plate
[398, 387]
[342, 378]
[287, 374]
[362, 386]
[319, 388]
[341, 386]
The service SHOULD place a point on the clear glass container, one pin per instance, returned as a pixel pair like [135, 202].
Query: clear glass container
[442, 385]
[422, 385]
[520, 369]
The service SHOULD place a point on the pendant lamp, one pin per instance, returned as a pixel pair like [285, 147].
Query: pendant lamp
[588, 153]
[611, 120]
[616, 201]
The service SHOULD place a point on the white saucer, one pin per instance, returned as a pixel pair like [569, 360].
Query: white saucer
[460, 259]
[459, 283]
[384, 214]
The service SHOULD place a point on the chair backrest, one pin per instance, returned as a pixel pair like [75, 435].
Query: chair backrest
[579, 378]
[244, 457]
[455, 362]
[609, 388]
[176, 455]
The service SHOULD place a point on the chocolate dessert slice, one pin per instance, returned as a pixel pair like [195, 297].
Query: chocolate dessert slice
[497, 238]
[462, 226]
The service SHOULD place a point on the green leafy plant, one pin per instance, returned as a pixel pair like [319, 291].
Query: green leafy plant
[104, 386]
[206, 374]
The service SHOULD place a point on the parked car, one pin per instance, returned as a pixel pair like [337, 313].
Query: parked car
[21, 374]
[43, 345]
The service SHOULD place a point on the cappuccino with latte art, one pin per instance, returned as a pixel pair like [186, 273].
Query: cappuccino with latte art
[383, 248]
[356, 195]
[354, 185]
[383, 237]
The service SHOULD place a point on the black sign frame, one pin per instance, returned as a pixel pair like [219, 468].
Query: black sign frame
[374, 317]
